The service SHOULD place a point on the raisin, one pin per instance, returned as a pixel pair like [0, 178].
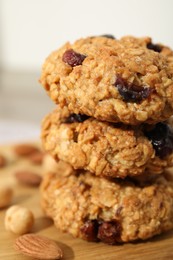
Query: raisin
[154, 47]
[110, 36]
[89, 230]
[73, 58]
[161, 137]
[75, 118]
[131, 92]
[109, 232]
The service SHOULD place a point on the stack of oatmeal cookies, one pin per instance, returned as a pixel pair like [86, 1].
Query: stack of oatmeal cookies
[112, 138]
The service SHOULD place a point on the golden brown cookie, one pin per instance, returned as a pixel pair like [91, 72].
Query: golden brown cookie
[107, 149]
[147, 42]
[112, 80]
[99, 209]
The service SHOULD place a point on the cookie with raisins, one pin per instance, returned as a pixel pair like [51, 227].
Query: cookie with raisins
[128, 80]
[99, 209]
[107, 149]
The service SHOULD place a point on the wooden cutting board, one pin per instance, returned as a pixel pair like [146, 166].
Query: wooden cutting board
[160, 247]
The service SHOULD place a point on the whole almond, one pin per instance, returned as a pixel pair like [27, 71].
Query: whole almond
[2, 161]
[37, 157]
[6, 195]
[25, 149]
[37, 246]
[28, 178]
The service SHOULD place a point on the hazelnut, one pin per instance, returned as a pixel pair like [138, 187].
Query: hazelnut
[6, 195]
[19, 220]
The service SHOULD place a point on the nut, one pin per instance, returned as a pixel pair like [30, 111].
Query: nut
[36, 158]
[19, 220]
[28, 178]
[6, 195]
[2, 161]
[38, 247]
[25, 149]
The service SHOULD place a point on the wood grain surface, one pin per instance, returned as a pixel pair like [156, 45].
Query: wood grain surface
[160, 247]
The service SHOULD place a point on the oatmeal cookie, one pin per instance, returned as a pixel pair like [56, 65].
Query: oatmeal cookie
[111, 80]
[107, 149]
[147, 43]
[98, 209]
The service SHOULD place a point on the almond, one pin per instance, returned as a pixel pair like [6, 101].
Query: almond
[6, 195]
[25, 149]
[37, 246]
[37, 157]
[2, 161]
[28, 178]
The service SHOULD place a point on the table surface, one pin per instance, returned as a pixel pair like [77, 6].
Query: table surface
[160, 247]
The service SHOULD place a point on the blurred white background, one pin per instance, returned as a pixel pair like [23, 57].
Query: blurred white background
[31, 29]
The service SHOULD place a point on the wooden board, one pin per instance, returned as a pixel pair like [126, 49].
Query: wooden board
[160, 247]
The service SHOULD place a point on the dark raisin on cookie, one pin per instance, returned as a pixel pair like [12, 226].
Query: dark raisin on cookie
[154, 47]
[90, 230]
[161, 137]
[109, 232]
[75, 118]
[131, 92]
[73, 58]
[110, 36]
